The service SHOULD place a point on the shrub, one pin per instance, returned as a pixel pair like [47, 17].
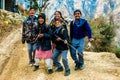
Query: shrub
[117, 52]
[103, 34]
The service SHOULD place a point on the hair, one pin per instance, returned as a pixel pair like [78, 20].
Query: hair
[31, 8]
[42, 15]
[60, 16]
[58, 21]
[77, 11]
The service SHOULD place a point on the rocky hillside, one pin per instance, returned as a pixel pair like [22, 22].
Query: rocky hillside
[9, 22]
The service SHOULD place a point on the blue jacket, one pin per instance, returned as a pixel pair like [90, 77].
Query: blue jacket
[79, 29]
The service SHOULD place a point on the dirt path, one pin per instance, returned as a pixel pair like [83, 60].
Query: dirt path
[14, 65]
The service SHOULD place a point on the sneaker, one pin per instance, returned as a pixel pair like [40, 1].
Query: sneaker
[50, 71]
[36, 68]
[77, 66]
[67, 72]
[33, 62]
[30, 64]
[82, 67]
[54, 64]
[59, 69]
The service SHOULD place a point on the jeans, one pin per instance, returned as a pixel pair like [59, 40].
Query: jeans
[59, 57]
[63, 53]
[31, 52]
[79, 45]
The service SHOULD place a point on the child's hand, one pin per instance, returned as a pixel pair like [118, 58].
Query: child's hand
[59, 39]
[88, 45]
[53, 45]
[91, 39]
[40, 35]
[23, 41]
[65, 42]
[35, 23]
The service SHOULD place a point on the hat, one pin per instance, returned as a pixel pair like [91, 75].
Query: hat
[42, 15]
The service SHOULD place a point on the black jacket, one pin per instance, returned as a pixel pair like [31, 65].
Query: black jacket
[45, 42]
[63, 34]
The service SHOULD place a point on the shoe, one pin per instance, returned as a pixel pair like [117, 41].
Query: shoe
[50, 71]
[67, 72]
[77, 66]
[55, 65]
[33, 62]
[30, 64]
[36, 68]
[59, 69]
[82, 67]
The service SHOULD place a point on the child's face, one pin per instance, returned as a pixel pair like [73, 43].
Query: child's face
[32, 12]
[58, 24]
[41, 20]
[77, 15]
[57, 15]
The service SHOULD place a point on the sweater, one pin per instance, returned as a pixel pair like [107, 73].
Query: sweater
[79, 29]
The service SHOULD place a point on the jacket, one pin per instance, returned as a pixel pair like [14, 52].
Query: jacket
[45, 41]
[63, 34]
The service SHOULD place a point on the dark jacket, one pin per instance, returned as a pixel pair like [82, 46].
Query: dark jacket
[29, 30]
[63, 34]
[81, 30]
[53, 28]
[45, 42]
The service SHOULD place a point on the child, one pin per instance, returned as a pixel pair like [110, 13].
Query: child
[43, 44]
[29, 34]
[57, 16]
[61, 39]
[78, 30]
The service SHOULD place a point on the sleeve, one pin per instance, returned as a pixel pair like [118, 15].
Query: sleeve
[23, 27]
[23, 33]
[48, 33]
[65, 26]
[89, 31]
[71, 30]
[65, 34]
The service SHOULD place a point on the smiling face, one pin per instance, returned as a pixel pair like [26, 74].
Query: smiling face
[57, 24]
[41, 20]
[32, 12]
[57, 15]
[77, 15]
